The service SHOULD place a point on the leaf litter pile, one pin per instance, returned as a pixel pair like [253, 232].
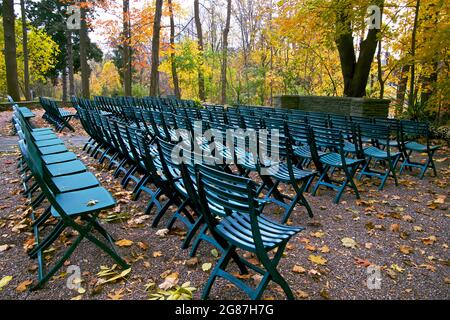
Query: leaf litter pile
[404, 231]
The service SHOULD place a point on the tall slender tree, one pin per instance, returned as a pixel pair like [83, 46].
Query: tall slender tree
[26, 68]
[12, 79]
[198, 25]
[64, 85]
[154, 76]
[127, 71]
[176, 84]
[226, 31]
[69, 62]
[84, 44]
[412, 95]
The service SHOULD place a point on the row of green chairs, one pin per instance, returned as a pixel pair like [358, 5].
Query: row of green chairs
[74, 196]
[404, 135]
[241, 226]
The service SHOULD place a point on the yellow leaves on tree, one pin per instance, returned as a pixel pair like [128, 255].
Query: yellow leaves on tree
[42, 54]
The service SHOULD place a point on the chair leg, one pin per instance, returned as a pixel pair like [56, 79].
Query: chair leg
[37, 201]
[120, 168]
[44, 244]
[198, 240]
[274, 275]
[203, 236]
[429, 163]
[352, 182]
[113, 161]
[221, 265]
[86, 232]
[322, 177]
[97, 226]
[59, 264]
[104, 154]
[138, 188]
[126, 179]
[192, 232]
[42, 218]
[161, 212]
[179, 216]
[433, 166]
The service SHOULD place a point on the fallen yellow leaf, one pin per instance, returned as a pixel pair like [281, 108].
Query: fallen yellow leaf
[23, 285]
[317, 259]
[124, 243]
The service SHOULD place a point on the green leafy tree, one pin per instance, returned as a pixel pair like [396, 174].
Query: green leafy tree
[43, 53]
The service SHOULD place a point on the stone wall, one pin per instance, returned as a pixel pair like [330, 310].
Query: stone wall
[339, 105]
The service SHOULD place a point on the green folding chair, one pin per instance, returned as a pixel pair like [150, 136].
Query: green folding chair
[230, 207]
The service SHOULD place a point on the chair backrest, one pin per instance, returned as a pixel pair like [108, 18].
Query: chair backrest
[221, 194]
[376, 133]
[274, 123]
[253, 122]
[318, 119]
[359, 119]
[411, 130]
[298, 132]
[235, 120]
[328, 138]
[150, 160]
[170, 162]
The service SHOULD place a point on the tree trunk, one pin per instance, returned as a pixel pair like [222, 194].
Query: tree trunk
[64, 84]
[84, 43]
[381, 81]
[127, 72]
[176, 85]
[12, 79]
[26, 68]
[427, 85]
[226, 31]
[154, 77]
[70, 63]
[401, 89]
[355, 72]
[198, 25]
[412, 95]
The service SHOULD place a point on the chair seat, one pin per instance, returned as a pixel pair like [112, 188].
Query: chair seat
[48, 143]
[237, 230]
[376, 153]
[65, 113]
[392, 143]
[84, 201]
[75, 182]
[415, 146]
[281, 173]
[349, 147]
[42, 130]
[66, 168]
[305, 152]
[59, 157]
[52, 149]
[27, 113]
[334, 160]
[44, 136]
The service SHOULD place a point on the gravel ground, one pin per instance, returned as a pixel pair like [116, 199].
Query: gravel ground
[403, 230]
